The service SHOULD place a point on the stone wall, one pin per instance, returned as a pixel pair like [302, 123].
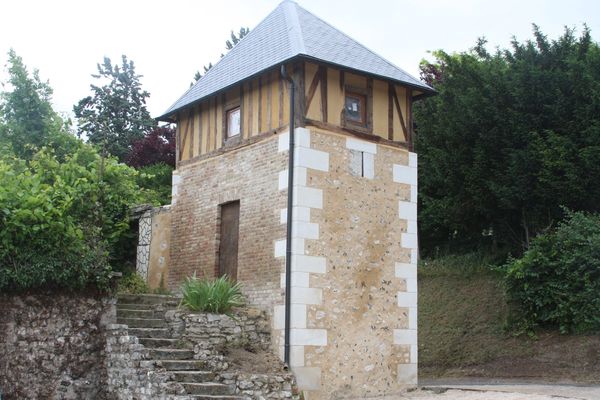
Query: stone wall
[248, 174]
[52, 346]
[250, 325]
[354, 243]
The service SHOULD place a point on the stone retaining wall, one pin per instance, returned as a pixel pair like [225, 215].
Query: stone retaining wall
[217, 329]
[52, 346]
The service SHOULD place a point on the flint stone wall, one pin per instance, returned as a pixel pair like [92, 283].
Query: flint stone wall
[132, 375]
[250, 325]
[52, 346]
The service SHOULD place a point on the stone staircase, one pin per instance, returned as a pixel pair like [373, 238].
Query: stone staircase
[145, 317]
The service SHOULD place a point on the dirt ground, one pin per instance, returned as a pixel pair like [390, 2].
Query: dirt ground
[252, 360]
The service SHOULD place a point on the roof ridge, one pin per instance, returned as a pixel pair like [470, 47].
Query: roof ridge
[293, 26]
[357, 42]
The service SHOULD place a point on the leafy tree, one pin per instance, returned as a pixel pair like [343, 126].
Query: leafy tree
[156, 180]
[154, 158]
[229, 44]
[511, 137]
[115, 115]
[27, 120]
[158, 146]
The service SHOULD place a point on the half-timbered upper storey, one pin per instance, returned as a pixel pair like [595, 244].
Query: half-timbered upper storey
[341, 86]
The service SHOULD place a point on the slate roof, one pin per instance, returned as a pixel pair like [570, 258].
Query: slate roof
[288, 32]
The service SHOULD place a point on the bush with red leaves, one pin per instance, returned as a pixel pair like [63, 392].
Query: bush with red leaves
[158, 146]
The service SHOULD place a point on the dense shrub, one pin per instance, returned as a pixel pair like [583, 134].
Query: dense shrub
[132, 283]
[217, 296]
[557, 281]
[61, 220]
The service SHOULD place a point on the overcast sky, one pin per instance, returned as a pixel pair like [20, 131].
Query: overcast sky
[170, 40]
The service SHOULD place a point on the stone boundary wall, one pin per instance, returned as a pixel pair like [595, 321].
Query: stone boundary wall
[52, 346]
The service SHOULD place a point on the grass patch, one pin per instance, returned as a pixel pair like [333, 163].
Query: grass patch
[462, 312]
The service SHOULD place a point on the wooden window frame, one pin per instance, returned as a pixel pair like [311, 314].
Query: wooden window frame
[362, 102]
[228, 108]
[366, 95]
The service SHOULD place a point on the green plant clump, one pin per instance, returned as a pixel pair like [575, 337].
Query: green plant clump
[132, 284]
[557, 281]
[217, 296]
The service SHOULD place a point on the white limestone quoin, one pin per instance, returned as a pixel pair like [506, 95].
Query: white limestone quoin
[304, 199]
[407, 211]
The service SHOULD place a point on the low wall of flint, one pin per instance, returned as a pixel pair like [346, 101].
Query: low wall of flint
[67, 346]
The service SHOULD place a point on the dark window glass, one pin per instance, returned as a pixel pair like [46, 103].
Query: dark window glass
[355, 108]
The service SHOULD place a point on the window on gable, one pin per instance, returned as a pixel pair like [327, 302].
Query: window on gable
[233, 122]
[355, 108]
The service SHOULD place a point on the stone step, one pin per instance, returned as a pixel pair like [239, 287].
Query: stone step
[182, 365]
[171, 354]
[150, 332]
[133, 313]
[148, 299]
[209, 388]
[135, 306]
[193, 376]
[142, 322]
[150, 342]
[216, 397]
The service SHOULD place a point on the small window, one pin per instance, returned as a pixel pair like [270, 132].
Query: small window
[233, 122]
[355, 108]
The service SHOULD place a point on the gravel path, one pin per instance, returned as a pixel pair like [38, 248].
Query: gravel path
[501, 392]
[455, 394]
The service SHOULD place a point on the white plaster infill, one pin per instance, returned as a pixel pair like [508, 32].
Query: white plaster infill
[407, 211]
[175, 181]
[304, 199]
[365, 163]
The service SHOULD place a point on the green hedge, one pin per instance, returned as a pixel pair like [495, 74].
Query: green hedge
[557, 281]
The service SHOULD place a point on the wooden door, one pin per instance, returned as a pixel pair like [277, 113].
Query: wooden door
[228, 247]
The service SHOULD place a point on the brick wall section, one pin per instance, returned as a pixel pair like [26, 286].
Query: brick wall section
[250, 175]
